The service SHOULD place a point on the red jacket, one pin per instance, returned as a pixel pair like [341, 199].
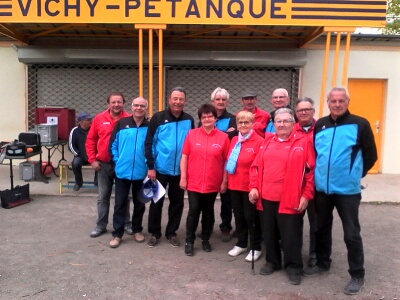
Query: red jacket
[300, 131]
[239, 181]
[299, 169]
[99, 136]
[261, 119]
[206, 159]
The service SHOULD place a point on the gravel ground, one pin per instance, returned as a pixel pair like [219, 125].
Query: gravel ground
[46, 253]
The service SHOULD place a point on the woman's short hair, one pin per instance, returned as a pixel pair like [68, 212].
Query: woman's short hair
[219, 91]
[206, 109]
[248, 116]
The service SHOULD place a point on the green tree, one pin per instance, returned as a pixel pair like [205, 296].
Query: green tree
[393, 18]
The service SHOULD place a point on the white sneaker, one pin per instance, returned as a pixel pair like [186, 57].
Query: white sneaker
[236, 251]
[257, 255]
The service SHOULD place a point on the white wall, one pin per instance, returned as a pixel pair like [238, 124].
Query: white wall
[13, 112]
[364, 64]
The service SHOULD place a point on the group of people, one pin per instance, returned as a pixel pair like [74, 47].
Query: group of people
[268, 168]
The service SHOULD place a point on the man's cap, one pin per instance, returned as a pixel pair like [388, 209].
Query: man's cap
[84, 116]
[249, 93]
[147, 191]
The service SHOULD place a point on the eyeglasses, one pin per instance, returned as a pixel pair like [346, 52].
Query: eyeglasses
[243, 123]
[279, 97]
[248, 98]
[139, 105]
[304, 110]
[284, 122]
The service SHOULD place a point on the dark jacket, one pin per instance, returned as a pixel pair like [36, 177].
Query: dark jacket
[164, 141]
[76, 142]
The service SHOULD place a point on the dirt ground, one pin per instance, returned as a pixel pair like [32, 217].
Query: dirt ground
[46, 253]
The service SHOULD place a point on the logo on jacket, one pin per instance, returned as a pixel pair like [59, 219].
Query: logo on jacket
[216, 146]
[249, 150]
[298, 149]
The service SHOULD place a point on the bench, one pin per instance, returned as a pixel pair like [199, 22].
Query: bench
[64, 179]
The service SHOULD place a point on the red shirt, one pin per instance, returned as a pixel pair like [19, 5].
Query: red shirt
[239, 181]
[99, 136]
[206, 159]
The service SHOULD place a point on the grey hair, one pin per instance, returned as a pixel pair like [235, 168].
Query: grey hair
[304, 99]
[285, 110]
[178, 89]
[342, 89]
[219, 91]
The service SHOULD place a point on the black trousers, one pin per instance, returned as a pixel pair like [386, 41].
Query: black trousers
[175, 209]
[312, 219]
[290, 227]
[226, 211]
[347, 207]
[247, 220]
[200, 203]
[122, 189]
[76, 165]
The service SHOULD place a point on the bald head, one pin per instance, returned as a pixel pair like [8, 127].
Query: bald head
[280, 98]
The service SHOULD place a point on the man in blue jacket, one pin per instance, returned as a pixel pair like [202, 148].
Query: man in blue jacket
[345, 151]
[127, 153]
[163, 146]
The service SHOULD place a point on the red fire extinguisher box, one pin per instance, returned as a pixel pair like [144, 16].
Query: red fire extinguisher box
[63, 117]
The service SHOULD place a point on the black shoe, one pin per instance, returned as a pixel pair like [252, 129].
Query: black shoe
[97, 232]
[207, 246]
[189, 249]
[77, 187]
[268, 269]
[354, 286]
[226, 236]
[312, 262]
[295, 279]
[313, 271]
[174, 241]
[128, 230]
[153, 241]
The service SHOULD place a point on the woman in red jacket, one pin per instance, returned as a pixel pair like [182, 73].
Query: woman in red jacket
[282, 183]
[243, 150]
[202, 174]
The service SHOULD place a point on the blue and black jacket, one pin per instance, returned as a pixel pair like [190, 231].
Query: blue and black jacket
[164, 141]
[127, 149]
[345, 152]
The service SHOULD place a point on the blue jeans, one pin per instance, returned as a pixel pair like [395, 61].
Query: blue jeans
[106, 180]
[347, 207]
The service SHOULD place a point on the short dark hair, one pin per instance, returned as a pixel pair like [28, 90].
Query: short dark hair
[206, 109]
[179, 89]
[115, 94]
